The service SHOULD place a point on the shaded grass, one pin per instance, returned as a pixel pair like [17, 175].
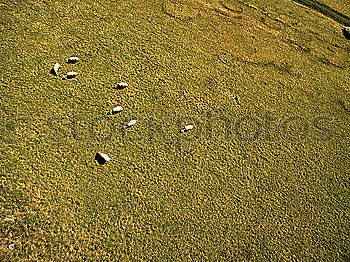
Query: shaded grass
[326, 10]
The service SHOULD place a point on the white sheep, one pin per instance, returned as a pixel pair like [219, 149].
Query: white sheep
[186, 128]
[131, 123]
[55, 69]
[102, 158]
[115, 110]
[70, 75]
[73, 60]
[121, 85]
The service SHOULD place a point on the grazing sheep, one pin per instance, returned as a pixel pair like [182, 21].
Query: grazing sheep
[131, 123]
[73, 60]
[70, 75]
[186, 128]
[115, 110]
[102, 158]
[121, 85]
[55, 69]
[346, 32]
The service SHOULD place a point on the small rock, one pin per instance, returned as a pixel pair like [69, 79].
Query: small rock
[70, 75]
[346, 32]
[115, 110]
[131, 123]
[186, 128]
[55, 69]
[121, 85]
[73, 60]
[102, 158]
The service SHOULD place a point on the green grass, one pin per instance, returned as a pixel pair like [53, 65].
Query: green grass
[201, 195]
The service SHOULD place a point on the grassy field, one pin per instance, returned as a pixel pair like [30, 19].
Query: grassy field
[264, 175]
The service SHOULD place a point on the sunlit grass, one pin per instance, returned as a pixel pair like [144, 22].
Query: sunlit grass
[207, 194]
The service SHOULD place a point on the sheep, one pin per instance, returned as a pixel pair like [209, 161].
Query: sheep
[70, 75]
[115, 110]
[55, 69]
[102, 158]
[186, 128]
[73, 60]
[121, 85]
[131, 123]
